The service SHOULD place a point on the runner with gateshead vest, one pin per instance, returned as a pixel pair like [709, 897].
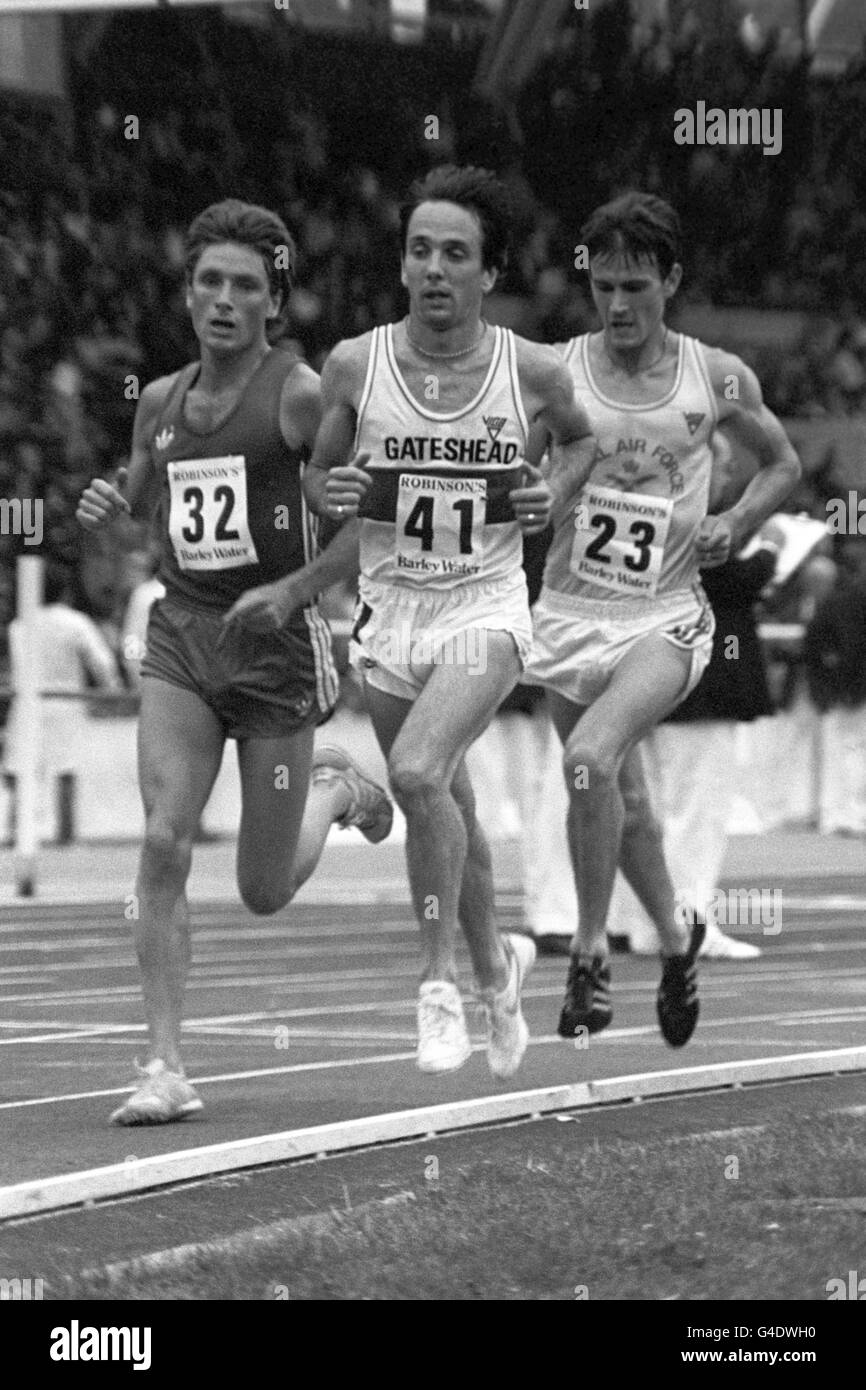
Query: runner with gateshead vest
[237, 648]
[623, 630]
[435, 412]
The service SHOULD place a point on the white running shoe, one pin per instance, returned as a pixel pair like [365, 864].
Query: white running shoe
[507, 1031]
[162, 1096]
[718, 946]
[443, 1040]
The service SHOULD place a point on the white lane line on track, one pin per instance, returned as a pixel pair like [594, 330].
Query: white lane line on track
[834, 902]
[125, 1179]
[612, 1035]
[300, 943]
[80, 1035]
[51, 912]
[286, 930]
[397, 923]
[374, 940]
[331, 1035]
[844, 1016]
[121, 960]
[713, 978]
[339, 980]
[328, 1065]
[839, 1014]
[302, 935]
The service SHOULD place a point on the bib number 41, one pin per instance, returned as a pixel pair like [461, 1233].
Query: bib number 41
[419, 523]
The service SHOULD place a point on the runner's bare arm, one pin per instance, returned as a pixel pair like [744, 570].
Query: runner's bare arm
[538, 447]
[556, 420]
[268, 607]
[301, 407]
[333, 479]
[135, 488]
[748, 419]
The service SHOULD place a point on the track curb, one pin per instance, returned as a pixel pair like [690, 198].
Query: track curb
[145, 1174]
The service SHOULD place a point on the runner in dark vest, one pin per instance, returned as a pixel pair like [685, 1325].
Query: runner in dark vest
[237, 647]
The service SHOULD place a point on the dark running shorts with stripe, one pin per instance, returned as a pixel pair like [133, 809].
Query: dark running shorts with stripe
[258, 685]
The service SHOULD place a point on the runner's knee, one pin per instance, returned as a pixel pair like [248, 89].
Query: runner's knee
[166, 849]
[263, 898]
[588, 768]
[414, 784]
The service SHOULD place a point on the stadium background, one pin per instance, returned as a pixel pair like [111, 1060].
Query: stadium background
[319, 108]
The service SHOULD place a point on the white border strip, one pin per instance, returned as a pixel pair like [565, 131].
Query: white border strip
[160, 1170]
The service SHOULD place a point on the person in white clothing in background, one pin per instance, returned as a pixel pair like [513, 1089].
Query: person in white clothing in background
[143, 595]
[72, 655]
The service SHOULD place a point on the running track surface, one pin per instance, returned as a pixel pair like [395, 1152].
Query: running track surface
[308, 1018]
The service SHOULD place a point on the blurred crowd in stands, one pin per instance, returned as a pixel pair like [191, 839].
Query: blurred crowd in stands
[94, 204]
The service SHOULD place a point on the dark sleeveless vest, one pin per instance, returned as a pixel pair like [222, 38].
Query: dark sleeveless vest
[208, 562]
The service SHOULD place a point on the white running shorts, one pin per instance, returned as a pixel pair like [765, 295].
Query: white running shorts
[578, 643]
[400, 634]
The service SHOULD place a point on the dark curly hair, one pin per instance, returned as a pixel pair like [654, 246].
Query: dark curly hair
[639, 225]
[479, 190]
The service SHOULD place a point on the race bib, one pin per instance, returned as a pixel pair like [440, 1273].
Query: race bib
[208, 522]
[439, 525]
[619, 539]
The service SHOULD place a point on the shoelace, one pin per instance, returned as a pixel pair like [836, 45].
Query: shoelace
[436, 1016]
[144, 1072]
[579, 970]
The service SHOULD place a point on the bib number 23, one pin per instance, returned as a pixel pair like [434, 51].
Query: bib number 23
[619, 539]
[642, 532]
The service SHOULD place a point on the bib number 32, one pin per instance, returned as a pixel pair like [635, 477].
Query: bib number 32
[208, 520]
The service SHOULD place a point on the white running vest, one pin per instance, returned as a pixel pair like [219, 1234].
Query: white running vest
[437, 516]
[632, 530]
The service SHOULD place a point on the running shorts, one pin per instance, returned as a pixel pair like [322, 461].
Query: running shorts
[578, 643]
[259, 685]
[400, 634]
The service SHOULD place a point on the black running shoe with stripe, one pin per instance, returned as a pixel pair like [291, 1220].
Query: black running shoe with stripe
[587, 997]
[677, 1003]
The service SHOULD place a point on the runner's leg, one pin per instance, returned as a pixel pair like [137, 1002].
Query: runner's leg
[476, 909]
[644, 687]
[476, 901]
[641, 855]
[180, 745]
[284, 820]
[425, 742]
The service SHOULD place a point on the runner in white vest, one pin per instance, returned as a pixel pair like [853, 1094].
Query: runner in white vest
[436, 412]
[623, 630]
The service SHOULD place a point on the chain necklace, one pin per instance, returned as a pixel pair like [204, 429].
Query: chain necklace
[446, 356]
[648, 366]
